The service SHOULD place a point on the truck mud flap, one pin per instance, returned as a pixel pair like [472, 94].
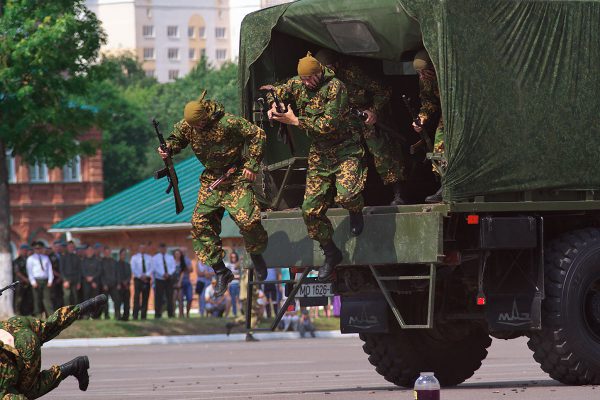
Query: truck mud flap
[364, 314]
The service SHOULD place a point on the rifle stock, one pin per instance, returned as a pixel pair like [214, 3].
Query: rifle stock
[424, 134]
[168, 171]
[282, 132]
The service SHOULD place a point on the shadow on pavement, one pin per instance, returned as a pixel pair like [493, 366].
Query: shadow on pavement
[506, 384]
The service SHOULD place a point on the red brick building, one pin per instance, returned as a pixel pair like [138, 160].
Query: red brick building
[40, 197]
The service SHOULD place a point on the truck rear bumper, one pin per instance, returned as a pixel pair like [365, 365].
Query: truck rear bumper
[392, 235]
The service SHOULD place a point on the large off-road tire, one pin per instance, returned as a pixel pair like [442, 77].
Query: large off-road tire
[568, 346]
[400, 357]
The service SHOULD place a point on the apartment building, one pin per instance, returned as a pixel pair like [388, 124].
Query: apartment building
[170, 36]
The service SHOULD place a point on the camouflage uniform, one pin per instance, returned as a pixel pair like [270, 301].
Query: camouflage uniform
[335, 158]
[20, 366]
[256, 314]
[219, 146]
[368, 93]
[431, 109]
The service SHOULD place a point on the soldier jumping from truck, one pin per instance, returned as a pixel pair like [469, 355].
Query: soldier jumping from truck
[335, 159]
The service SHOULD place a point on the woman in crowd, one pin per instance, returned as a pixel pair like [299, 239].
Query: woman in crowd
[234, 286]
[183, 286]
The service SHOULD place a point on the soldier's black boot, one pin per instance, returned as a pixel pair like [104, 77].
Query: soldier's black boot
[224, 276]
[399, 194]
[435, 198]
[260, 266]
[93, 306]
[251, 338]
[333, 256]
[357, 223]
[77, 367]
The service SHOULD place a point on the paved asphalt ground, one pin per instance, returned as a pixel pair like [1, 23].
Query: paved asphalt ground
[290, 369]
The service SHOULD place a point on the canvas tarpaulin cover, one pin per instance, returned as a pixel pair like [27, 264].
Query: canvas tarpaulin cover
[519, 81]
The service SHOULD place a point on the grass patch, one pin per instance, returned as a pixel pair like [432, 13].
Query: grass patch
[165, 326]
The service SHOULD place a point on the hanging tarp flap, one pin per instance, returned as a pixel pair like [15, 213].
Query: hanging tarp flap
[519, 84]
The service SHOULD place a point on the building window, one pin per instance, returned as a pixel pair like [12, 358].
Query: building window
[221, 54]
[149, 53]
[72, 171]
[38, 173]
[173, 54]
[173, 31]
[11, 167]
[220, 33]
[150, 73]
[173, 74]
[202, 32]
[192, 54]
[203, 53]
[148, 31]
[191, 32]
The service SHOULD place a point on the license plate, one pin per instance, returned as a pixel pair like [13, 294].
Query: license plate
[315, 290]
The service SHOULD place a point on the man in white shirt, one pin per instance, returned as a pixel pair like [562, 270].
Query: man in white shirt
[141, 269]
[163, 267]
[41, 277]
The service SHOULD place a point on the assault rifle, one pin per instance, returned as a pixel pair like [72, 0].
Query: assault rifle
[168, 171]
[283, 132]
[425, 139]
[385, 129]
[12, 286]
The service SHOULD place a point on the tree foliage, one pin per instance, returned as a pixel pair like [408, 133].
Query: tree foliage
[47, 49]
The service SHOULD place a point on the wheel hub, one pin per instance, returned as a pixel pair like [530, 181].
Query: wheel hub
[592, 309]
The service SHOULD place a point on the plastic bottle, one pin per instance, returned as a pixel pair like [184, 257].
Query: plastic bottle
[427, 387]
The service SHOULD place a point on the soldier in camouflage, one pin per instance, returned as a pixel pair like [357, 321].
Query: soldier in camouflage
[218, 140]
[369, 95]
[21, 339]
[336, 157]
[430, 113]
[256, 310]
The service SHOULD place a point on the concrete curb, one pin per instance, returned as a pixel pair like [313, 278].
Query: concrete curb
[183, 339]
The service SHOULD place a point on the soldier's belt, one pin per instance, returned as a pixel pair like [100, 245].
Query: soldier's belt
[328, 144]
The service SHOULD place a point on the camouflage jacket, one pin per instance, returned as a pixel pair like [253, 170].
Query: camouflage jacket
[431, 108]
[221, 143]
[364, 91]
[322, 113]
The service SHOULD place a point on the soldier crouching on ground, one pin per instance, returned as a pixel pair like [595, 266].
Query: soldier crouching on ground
[369, 95]
[21, 339]
[218, 141]
[430, 113]
[336, 157]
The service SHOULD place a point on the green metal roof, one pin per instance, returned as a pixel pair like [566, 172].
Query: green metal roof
[145, 205]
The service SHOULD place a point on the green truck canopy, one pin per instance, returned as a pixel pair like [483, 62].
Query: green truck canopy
[519, 80]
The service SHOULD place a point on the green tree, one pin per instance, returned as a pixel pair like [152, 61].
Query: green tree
[125, 126]
[47, 49]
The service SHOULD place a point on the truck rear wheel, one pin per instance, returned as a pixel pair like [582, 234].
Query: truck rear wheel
[568, 346]
[401, 356]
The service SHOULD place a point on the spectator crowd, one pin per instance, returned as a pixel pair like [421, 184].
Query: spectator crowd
[68, 274]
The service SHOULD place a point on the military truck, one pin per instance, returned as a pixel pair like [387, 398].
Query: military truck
[514, 248]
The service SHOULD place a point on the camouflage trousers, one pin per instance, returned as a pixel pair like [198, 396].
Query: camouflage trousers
[438, 147]
[256, 311]
[338, 170]
[238, 199]
[20, 375]
[389, 167]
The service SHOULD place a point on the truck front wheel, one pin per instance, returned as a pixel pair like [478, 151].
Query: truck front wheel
[401, 356]
[568, 346]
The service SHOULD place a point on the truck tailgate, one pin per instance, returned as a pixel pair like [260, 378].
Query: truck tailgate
[392, 235]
